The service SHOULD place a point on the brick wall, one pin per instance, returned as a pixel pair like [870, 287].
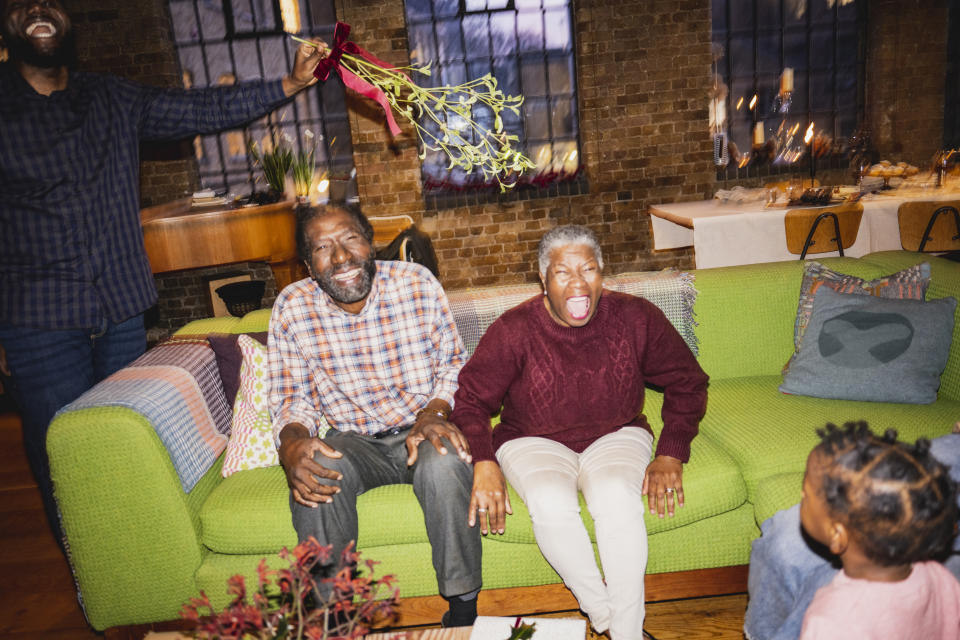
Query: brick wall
[906, 74]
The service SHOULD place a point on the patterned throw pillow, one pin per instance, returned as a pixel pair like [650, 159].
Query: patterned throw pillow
[251, 438]
[909, 284]
[870, 349]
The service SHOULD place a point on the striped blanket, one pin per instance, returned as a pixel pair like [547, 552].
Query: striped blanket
[176, 386]
[672, 291]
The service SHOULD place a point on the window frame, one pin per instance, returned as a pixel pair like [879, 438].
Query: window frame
[441, 194]
[835, 161]
[225, 170]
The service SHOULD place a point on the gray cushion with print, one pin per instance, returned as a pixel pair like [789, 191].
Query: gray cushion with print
[868, 348]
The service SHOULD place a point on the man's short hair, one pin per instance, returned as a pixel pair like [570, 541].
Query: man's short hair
[307, 213]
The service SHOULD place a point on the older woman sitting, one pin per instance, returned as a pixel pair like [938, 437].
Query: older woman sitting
[568, 370]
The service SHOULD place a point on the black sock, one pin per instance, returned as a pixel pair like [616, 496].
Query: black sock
[462, 612]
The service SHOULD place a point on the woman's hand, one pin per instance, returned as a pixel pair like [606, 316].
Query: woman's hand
[663, 484]
[489, 498]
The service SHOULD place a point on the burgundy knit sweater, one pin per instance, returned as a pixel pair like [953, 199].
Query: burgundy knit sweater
[574, 385]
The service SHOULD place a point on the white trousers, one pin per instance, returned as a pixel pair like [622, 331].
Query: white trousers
[609, 472]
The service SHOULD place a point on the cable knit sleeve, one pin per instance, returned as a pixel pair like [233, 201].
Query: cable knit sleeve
[667, 362]
[484, 382]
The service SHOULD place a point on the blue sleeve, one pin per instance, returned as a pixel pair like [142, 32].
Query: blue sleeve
[166, 114]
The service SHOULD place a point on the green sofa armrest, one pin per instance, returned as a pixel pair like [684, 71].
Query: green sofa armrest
[132, 532]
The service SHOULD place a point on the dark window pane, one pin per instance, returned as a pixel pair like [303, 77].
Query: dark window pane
[534, 78]
[768, 53]
[561, 76]
[741, 55]
[821, 50]
[506, 74]
[821, 91]
[768, 13]
[537, 125]
[322, 13]
[847, 46]
[741, 15]
[718, 9]
[795, 50]
[562, 118]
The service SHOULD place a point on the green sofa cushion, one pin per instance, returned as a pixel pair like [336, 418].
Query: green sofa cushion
[249, 511]
[721, 540]
[776, 493]
[768, 432]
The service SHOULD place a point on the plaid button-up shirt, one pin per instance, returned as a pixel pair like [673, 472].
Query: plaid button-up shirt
[364, 372]
[71, 246]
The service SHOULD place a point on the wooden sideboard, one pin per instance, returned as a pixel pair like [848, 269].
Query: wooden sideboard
[179, 236]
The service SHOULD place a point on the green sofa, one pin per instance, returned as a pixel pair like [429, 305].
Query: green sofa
[140, 546]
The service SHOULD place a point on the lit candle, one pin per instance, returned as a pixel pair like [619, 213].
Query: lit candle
[758, 134]
[808, 140]
[786, 80]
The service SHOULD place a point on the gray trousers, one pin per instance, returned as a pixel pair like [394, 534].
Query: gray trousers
[442, 484]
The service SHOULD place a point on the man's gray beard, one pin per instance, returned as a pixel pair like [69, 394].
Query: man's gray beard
[349, 295]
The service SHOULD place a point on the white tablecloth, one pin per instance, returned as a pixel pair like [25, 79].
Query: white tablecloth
[726, 234]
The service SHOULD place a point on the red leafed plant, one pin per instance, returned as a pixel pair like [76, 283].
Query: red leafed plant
[285, 603]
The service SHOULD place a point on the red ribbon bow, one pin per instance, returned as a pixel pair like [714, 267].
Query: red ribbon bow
[340, 46]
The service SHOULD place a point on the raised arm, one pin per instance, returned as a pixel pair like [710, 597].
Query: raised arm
[176, 113]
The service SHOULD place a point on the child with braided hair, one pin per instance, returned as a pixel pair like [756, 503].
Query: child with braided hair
[887, 510]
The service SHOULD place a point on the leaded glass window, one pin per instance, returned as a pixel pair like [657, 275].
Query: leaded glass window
[528, 46]
[228, 41]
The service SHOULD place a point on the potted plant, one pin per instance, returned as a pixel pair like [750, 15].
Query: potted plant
[292, 604]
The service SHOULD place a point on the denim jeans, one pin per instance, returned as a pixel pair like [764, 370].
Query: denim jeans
[785, 572]
[52, 368]
[441, 482]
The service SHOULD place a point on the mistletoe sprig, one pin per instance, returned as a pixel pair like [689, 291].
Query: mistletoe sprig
[493, 153]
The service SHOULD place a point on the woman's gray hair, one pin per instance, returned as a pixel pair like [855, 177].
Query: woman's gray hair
[563, 236]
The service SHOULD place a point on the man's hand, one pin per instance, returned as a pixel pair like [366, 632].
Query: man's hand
[301, 75]
[296, 452]
[663, 482]
[489, 499]
[430, 426]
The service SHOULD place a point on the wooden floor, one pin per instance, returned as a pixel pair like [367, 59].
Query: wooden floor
[38, 600]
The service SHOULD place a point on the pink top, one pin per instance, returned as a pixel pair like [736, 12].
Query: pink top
[925, 606]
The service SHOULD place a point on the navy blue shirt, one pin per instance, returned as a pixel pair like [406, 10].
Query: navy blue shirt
[71, 245]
